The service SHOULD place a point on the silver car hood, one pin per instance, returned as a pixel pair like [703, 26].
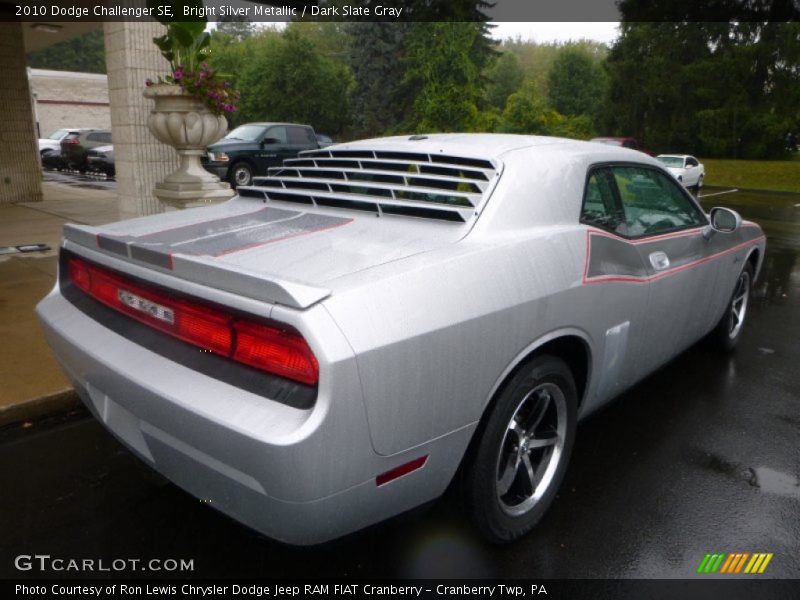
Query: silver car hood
[274, 252]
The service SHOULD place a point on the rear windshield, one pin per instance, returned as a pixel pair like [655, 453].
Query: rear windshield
[57, 135]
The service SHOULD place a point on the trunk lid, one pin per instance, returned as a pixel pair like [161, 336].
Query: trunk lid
[276, 252]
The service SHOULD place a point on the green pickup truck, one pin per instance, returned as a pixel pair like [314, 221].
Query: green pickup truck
[250, 149]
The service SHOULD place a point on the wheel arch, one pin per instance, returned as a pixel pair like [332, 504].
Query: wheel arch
[571, 345]
[754, 258]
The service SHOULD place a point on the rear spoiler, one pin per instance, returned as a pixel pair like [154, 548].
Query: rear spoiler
[197, 269]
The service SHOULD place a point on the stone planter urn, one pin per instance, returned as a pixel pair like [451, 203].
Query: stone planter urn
[185, 123]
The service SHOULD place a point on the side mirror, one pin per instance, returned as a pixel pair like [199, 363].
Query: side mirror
[724, 220]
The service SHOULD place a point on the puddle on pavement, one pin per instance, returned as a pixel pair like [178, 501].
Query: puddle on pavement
[775, 482]
[766, 479]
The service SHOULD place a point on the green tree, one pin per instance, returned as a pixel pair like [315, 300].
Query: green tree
[576, 83]
[236, 27]
[84, 54]
[526, 112]
[504, 77]
[375, 54]
[710, 88]
[443, 65]
[287, 79]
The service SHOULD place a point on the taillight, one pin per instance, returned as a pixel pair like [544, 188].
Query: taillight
[72, 141]
[277, 351]
[280, 351]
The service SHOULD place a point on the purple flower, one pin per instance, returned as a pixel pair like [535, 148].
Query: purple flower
[177, 75]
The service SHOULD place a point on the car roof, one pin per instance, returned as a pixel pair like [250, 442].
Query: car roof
[674, 156]
[484, 145]
[266, 124]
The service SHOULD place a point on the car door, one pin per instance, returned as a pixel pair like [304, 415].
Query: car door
[666, 226]
[272, 150]
[300, 138]
[692, 171]
[615, 271]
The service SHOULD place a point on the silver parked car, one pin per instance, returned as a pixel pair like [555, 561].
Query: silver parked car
[329, 348]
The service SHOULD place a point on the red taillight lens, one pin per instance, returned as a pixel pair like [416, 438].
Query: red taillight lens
[72, 141]
[278, 351]
[281, 352]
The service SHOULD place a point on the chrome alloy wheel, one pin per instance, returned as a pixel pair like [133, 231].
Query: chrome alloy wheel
[741, 298]
[531, 449]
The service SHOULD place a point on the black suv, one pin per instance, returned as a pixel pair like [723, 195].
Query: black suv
[251, 149]
[76, 144]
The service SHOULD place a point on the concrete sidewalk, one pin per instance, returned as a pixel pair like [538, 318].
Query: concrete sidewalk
[32, 382]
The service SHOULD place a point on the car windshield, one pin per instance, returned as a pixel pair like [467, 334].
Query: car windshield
[247, 133]
[57, 135]
[608, 141]
[671, 161]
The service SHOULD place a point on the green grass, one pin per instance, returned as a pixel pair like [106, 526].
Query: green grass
[776, 175]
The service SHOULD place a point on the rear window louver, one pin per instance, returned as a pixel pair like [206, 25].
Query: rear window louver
[431, 186]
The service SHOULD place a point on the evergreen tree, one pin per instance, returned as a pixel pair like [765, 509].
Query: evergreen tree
[84, 54]
[375, 58]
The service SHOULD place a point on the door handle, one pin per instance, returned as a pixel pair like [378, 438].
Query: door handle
[659, 260]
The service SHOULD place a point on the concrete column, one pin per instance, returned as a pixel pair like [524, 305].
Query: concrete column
[141, 160]
[20, 171]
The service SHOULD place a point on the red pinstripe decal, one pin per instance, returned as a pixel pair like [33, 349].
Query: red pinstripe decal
[647, 279]
[286, 237]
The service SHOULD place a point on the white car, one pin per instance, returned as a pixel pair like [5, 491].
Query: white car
[686, 169]
[53, 142]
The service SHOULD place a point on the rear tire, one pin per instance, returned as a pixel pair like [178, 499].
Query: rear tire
[729, 329]
[523, 452]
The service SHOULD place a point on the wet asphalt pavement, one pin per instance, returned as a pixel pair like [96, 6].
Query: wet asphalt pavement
[702, 456]
[91, 180]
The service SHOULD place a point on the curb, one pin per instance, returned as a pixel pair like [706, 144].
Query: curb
[39, 407]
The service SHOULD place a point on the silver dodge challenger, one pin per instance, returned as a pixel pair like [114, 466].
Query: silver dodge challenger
[335, 344]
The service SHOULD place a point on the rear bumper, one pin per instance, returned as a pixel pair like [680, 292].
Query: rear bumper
[302, 476]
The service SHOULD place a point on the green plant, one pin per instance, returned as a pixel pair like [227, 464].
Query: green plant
[186, 46]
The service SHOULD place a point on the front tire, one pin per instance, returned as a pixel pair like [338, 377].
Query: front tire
[522, 455]
[729, 329]
[241, 174]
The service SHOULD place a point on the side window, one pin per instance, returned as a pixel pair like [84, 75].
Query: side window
[653, 202]
[310, 137]
[691, 162]
[105, 137]
[279, 133]
[600, 204]
[297, 135]
[93, 137]
[629, 144]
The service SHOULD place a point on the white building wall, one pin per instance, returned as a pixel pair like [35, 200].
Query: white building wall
[68, 99]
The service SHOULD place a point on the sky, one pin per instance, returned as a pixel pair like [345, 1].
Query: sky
[557, 32]
[546, 32]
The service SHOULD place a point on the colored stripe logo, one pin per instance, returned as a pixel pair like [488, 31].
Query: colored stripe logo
[735, 563]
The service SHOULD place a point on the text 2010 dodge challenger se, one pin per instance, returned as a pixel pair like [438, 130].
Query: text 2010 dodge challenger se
[327, 349]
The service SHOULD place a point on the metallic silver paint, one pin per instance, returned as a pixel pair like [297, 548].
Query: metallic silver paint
[415, 324]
